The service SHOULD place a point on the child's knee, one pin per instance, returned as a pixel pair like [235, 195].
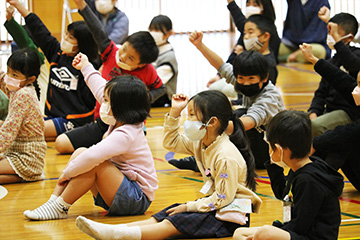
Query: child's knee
[264, 233]
[63, 144]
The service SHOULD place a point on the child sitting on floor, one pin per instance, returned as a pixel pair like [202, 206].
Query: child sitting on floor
[227, 167]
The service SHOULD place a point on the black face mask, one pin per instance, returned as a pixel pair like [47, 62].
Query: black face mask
[248, 90]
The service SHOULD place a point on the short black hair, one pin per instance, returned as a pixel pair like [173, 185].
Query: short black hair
[145, 45]
[86, 42]
[263, 23]
[27, 61]
[250, 63]
[161, 23]
[347, 21]
[291, 129]
[129, 99]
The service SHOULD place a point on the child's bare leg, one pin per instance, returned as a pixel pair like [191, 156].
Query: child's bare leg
[157, 230]
[266, 232]
[50, 131]
[142, 223]
[7, 173]
[10, 178]
[160, 230]
[105, 176]
[58, 188]
[243, 232]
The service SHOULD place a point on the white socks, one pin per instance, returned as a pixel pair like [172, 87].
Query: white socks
[107, 231]
[54, 208]
[52, 198]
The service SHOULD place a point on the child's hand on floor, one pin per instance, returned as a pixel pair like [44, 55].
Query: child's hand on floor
[80, 61]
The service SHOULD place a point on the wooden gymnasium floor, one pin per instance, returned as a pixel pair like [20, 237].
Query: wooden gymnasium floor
[297, 83]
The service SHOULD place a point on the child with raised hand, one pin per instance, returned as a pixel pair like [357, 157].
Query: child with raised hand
[114, 20]
[310, 191]
[119, 170]
[69, 101]
[338, 147]
[134, 57]
[22, 143]
[227, 167]
[249, 75]
[23, 40]
[328, 108]
[166, 65]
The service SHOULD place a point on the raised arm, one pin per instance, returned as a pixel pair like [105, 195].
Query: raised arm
[338, 79]
[237, 15]
[324, 14]
[214, 59]
[18, 33]
[18, 5]
[48, 44]
[97, 29]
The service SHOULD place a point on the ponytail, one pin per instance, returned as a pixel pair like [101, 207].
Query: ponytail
[241, 141]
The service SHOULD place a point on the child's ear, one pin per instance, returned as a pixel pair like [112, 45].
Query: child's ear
[277, 147]
[267, 36]
[214, 121]
[141, 65]
[266, 78]
[169, 33]
[30, 79]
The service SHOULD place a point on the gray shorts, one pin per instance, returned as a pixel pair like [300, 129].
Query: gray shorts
[129, 200]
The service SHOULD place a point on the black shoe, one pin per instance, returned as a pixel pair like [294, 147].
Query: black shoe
[185, 163]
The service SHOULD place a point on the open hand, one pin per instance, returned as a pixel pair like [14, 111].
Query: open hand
[178, 209]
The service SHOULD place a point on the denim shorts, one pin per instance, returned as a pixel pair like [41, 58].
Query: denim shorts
[129, 200]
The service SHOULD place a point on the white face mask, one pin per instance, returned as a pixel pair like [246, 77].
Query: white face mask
[253, 44]
[104, 6]
[280, 163]
[331, 41]
[67, 47]
[12, 84]
[104, 114]
[158, 37]
[251, 10]
[195, 130]
[123, 65]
